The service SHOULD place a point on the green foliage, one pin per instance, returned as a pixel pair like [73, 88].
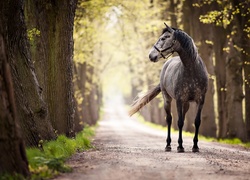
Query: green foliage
[113, 37]
[231, 141]
[225, 13]
[50, 161]
[6, 176]
[218, 17]
[82, 139]
[62, 147]
[32, 33]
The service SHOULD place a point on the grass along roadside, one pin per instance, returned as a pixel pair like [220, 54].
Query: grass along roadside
[234, 141]
[50, 161]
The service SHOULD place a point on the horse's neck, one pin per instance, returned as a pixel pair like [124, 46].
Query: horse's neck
[188, 58]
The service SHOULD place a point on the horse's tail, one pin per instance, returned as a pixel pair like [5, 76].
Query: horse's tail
[146, 98]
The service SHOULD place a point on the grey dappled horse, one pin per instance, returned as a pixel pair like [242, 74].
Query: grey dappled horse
[183, 78]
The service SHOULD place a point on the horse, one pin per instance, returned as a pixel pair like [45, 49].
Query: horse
[183, 78]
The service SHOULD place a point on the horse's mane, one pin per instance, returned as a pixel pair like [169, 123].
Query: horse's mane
[186, 43]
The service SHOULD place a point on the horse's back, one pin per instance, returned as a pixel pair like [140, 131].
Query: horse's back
[179, 82]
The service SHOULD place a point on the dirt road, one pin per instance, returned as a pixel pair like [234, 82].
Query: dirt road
[126, 149]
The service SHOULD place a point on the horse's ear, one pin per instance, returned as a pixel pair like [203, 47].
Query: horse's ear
[169, 28]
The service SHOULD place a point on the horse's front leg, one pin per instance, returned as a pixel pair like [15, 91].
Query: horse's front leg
[197, 125]
[180, 125]
[167, 107]
[182, 108]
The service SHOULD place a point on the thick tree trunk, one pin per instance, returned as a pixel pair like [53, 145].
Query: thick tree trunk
[246, 66]
[236, 124]
[208, 125]
[53, 54]
[60, 85]
[220, 71]
[244, 45]
[187, 10]
[31, 108]
[13, 157]
[173, 12]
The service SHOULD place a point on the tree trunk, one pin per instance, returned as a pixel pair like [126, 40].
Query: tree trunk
[31, 108]
[91, 99]
[173, 12]
[220, 71]
[53, 54]
[208, 125]
[13, 157]
[236, 125]
[244, 45]
[187, 14]
[79, 84]
[246, 67]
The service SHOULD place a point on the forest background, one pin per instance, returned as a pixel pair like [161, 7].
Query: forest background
[62, 60]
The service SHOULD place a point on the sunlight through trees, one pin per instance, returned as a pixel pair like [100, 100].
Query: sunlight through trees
[69, 58]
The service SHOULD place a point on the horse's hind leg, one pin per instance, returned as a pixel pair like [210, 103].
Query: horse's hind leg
[197, 125]
[167, 107]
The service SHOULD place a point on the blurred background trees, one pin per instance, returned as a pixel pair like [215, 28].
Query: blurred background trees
[221, 33]
[69, 59]
[216, 30]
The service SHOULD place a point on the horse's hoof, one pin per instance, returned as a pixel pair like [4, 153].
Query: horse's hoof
[180, 149]
[195, 150]
[168, 148]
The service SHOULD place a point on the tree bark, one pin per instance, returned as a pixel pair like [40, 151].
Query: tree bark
[53, 54]
[187, 14]
[195, 28]
[236, 124]
[31, 109]
[243, 22]
[173, 12]
[246, 67]
[208, 127]
[13, 157]
[220, 71]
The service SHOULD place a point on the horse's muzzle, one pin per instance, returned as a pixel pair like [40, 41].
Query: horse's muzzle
[153, 58]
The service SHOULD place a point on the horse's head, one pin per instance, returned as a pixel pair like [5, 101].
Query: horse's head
[164, 46]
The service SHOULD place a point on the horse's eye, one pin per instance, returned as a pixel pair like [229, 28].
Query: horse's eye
[164, 38]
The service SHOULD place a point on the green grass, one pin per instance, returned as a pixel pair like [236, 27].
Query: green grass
[6, 176]
[234, 141]
[50, 161]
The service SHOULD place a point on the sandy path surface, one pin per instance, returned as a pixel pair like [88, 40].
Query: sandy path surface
[126, 149]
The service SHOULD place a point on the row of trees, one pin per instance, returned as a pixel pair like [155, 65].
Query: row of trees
[44, 91]
[40, 84]
[221, 32]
